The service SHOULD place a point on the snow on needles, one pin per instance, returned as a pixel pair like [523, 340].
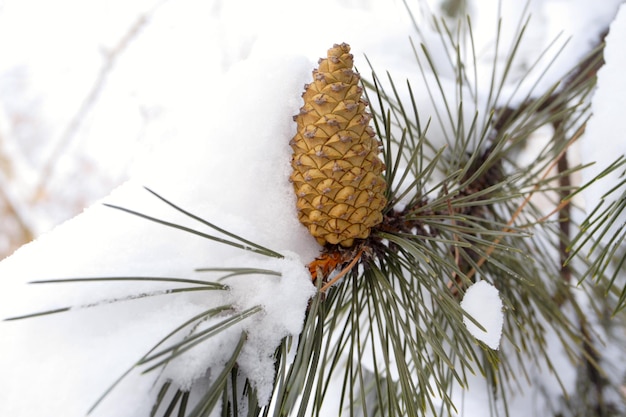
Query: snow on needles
[231, 170]
[482, 302]
[284, 300]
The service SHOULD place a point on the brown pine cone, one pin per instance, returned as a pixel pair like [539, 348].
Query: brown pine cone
[337, 175]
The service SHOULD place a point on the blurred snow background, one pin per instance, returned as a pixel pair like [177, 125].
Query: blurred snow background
[182, 96]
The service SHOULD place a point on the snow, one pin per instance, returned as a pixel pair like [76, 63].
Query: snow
[566, 29]
[482, 302]
[603, 143]
[602, 140]
[223, 155]
[284, 302]
[198, 108]
[196, 171]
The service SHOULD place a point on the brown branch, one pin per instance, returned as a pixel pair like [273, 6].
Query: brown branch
[564, 213]
[524, 203]
[343, 272]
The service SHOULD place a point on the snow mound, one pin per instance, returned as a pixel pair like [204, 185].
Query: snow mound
[231, 170]
[603, 141]
[482, 302]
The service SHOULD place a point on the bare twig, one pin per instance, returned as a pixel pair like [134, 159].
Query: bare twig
[343, 272]
[11, 211]
[69, 133]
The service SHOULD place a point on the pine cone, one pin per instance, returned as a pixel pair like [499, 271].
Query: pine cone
[337, 175]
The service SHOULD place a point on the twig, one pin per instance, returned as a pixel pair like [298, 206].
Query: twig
[14, 212]
[343, 272]
[110, 59]
[564, 212]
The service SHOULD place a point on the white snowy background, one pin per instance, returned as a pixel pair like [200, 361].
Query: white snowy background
[194, 99]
